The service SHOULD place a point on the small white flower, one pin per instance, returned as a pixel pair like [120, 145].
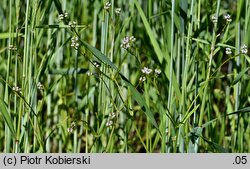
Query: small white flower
[109, 123]
[74, 39]
[39, 86]
[118, 11]
[112, 115]
[63, 16]
[74, 42]
[132, 39]
[244, 49]
[89, 73]
[142, 79]
[107, 5]
[16, 89]
[127, 41]
[96, 64]
[11, 47]
[66, 14]
[75, 45]
[214, 19]
[227, 17]
[70, 130]
[157, 71]
[228, 51]
[146, 70]
[72, 24]
[73, 124]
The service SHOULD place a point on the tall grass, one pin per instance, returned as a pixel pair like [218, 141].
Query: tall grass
[124, 76]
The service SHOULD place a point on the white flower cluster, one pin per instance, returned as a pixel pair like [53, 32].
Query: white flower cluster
[71, 128]
[118, 11]
[89, 73]
[127, 41]
[39, 86]
[96, 64]
[244, 49]
[72, 24]
[148, 71]
[157, 71]
[110, 119]
[228, 51]
[107, 5]
[74, 42]
[227, 17]
[63, 16]
[17, 89]
[11, 47]
[142, 78]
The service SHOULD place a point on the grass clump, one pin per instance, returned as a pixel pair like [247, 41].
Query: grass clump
[124, 76]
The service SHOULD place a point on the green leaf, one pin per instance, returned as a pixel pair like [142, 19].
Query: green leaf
[219, 148]
[150, 32]
[69, 71]
[7, 118]
[216, 146]
[188, 114]
[140, 100]
[99, 55]
[58, 6]
[9, 35]
[240, 75]
[243, 110]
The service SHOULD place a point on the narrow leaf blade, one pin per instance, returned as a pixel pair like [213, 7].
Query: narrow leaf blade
[7, 117]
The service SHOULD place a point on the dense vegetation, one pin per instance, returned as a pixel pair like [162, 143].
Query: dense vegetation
[124, 76]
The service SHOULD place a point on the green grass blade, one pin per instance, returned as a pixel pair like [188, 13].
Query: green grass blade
[140, 100]
[99, 55]
[9, 35]
[7, 117]
[240, 75]
[150, 32]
